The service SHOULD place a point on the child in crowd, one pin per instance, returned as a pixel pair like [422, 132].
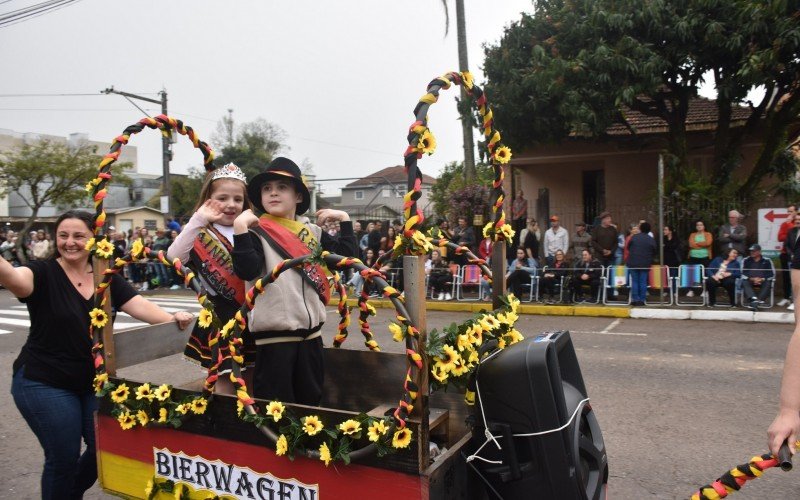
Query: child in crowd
[286, 319]
[205, 245]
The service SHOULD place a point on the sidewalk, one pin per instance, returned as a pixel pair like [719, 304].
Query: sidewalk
[776, 315]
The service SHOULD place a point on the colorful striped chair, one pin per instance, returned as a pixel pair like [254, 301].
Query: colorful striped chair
[658, 279]
[690, 277]
[618, 279]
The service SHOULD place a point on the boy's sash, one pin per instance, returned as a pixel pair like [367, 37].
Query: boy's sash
[293, 239]
[211, 258]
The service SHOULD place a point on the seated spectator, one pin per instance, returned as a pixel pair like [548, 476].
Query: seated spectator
[756, 275]
[485, 249]
[439, 277]
[519, 272]
[356, 280]
[723, 272]
[552, 275]
[587, 273]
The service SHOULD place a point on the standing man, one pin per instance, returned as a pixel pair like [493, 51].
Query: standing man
[464, 235]
[733, 234]
[519, 213]
[783, 232]
[604, 240]
[579, 241]
[556, 238]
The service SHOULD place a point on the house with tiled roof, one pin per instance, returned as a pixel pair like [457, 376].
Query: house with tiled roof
[581, 177]
[380, 195]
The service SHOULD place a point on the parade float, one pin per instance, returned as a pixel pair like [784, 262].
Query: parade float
[483, 412]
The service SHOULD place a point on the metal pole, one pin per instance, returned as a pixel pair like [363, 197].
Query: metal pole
[166, 156]
[661, 219]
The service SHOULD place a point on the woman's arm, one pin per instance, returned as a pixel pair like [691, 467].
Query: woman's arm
[144, 310]
[787, 423]
[18, 280]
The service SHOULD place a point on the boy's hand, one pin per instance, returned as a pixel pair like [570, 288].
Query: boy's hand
[244, 221]
[329, 214]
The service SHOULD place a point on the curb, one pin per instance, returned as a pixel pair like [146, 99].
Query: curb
[741, 316]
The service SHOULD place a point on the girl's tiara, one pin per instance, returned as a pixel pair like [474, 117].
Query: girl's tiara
[229, 171]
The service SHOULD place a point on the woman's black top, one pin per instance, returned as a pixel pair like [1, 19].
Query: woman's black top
[58, 351]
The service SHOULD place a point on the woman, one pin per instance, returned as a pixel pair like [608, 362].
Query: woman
[387, 242]
[439, 277]
[552, 275]
[700, 244]
[722, 272]
[52, 377]
[357, 281]
[519, 272]
[530, 241]
[672, 251]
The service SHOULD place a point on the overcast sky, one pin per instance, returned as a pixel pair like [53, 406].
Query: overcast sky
[340, 77]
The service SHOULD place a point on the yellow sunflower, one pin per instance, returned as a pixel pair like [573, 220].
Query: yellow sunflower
[448, 359]
[199, 405]
[439, 373]
[507, 232]
[98, 317]
[162, 415]
[502, 154]
[466, 78]
[487, 229]
[493, 322]
[325, 454]
[426, 143]
[463, 342]
[397, 332]
[126, 420]
[475, 335]
[89, 244]
[226, 330]
[204, 319]
[105, 249]
[350, 427]
[514, 336]
[120, 394]
[183, 409]
[239, 407]
[100, 381]
[402, 438]
[376, 430]
[144, 392]
[137, 249]
[281, 446]
[142, 417]
[276, 409]
[312, 425]
[162, 393]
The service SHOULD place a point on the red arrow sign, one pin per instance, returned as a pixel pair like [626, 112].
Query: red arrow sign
[771, 216]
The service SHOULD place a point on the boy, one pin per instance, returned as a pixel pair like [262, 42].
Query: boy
[286, 319]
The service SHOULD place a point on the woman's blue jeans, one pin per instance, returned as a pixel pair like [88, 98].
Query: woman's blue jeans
[59, 418]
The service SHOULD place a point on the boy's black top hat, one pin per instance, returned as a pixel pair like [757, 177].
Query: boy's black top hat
[279, 168]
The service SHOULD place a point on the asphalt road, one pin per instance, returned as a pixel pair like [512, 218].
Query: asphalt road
[679, 402]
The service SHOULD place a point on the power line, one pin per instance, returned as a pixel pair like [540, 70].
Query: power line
[67, 109]
[25, 14]
[62, 95]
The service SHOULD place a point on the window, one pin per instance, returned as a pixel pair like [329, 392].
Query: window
[150, 224]
[386, 192]
[359, 195]
[399, 191]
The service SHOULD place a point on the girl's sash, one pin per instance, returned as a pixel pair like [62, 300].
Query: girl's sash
[292, 239]
[211, 258]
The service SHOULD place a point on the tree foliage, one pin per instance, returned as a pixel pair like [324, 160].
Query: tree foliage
[453, 195]
[50, 173]
[184, 192]
[577, 66]
[255, 144]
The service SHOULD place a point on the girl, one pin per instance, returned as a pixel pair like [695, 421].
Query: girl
[387, 242]
[206, 244]
[287, 317]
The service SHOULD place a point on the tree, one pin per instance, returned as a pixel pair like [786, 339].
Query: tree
[576, 66]
[50, 172]
[255, 144]
[451, 191]
[184, 193]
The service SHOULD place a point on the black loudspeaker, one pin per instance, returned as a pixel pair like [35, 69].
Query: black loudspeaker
[535, 386]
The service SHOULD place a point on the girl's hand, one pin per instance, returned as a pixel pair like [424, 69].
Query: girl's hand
[329, 214]
[243, 221]
[211, 210]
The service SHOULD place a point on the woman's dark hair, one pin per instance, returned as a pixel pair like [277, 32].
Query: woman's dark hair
[83, 215]
[644, 227]
[727, 253]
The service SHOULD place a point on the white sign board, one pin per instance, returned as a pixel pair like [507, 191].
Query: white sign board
[769, 223]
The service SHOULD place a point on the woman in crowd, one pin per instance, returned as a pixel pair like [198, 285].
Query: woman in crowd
[52, 377]
[672, 251]
[552, 275]
[519, 272]
[439, 277]
[700, 245]
[722, 272]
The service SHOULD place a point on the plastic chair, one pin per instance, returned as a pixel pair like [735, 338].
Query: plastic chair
[658, 279]
[618, 279]
[470, 276]
[691, 277]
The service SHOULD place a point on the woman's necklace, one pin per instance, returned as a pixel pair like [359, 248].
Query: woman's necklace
[72, 276]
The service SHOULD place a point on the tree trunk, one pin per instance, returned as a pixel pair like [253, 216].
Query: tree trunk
[466, 123]
[19, 249]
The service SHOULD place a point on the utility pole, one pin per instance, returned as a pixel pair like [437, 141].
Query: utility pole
[166, 148]
[466, 125]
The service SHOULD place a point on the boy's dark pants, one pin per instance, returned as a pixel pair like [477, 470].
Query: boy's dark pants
[290, 372]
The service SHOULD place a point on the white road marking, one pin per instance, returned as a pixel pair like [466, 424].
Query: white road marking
[3, 332]
[621, 334]
[612, 325]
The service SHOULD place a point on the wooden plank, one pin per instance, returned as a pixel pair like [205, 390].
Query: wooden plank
[414, 288]
[109, 352]
[138, 345]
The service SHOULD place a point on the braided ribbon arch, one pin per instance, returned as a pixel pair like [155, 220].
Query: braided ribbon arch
[733, 480]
